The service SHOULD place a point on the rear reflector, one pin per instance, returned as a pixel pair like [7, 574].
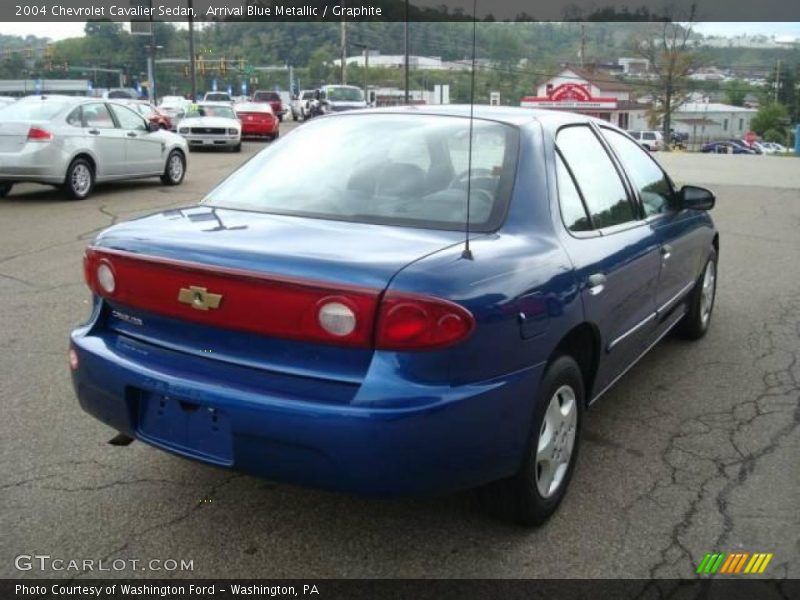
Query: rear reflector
[36, 134]
[276, 305]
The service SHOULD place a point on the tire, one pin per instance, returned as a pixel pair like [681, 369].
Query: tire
[79, 180]
[238, 147]
[526, 497]
[694, 324]
[5, 188]
[175, 169]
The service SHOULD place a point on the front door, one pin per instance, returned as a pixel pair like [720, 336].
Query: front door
[681, 240]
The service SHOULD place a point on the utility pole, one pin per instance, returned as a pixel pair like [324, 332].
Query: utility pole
[365, 48]
[777, 80]
[583, 44]
[344, 51]
[151, 51]
[192, 57]
[405, 50]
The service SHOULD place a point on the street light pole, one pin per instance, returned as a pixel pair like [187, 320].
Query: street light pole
[192, 65]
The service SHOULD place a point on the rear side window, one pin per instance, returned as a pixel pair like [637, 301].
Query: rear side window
[97, 115]
[596, 177]
[572, 210]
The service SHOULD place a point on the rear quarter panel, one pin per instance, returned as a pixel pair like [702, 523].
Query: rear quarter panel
[519, 270]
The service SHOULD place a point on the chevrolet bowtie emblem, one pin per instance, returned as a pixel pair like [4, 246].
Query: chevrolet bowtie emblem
[199, 298]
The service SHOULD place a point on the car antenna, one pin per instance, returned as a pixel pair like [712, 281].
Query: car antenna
[467, 253]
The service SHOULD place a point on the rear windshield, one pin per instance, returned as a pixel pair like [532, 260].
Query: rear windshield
[410, 170]
[252, 107]
[344, 94]
[33, 110]
[308, 95]
[218, 97]
[266, 97]
[226, 112]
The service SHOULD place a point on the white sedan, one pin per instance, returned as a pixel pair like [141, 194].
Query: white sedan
[212, 125]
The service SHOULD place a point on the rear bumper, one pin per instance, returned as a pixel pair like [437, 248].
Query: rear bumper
[251, 129]
[42, 163]
[435, 439]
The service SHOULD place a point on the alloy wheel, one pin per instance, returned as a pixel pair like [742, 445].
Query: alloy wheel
[556, 441]
[81, 179]
[707, 293]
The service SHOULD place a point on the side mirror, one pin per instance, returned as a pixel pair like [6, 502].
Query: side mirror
[696, 198]
[153, 126]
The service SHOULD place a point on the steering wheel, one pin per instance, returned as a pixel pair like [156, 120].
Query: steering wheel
[462, 177]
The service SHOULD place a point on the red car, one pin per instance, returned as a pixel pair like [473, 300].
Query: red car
[257, 119]
[273, 99]
[149, 112]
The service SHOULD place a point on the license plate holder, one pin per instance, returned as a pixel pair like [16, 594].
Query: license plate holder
[187, 427]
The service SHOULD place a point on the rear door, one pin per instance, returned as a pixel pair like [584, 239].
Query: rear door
[614, 251]
[680, 233]
[105, 138]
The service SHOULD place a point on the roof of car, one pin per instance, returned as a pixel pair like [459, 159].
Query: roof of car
[513, 115]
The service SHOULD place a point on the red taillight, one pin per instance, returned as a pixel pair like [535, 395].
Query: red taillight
[36, 134]
[408, 322]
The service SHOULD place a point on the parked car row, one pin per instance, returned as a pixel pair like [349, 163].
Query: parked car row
[75, 142]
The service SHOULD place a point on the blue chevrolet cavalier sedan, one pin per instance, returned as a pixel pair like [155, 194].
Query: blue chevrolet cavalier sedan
[430, 304]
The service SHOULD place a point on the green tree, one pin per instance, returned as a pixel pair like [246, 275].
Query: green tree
[735, 92]
[771, 122]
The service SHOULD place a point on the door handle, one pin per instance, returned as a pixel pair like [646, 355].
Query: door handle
[131, 134]
[597, 283]
[94, 132]
[666, 251]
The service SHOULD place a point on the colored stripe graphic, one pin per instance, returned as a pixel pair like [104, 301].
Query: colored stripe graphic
[741, 561]
[764, 564]
[726, 566]
[733, 563]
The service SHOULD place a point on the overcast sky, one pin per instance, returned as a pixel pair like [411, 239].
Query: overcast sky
[59, 31]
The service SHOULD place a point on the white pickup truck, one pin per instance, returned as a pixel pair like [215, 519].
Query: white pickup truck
[299, 104]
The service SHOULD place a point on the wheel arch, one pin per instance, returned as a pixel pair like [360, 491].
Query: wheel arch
[87, 155]
[582, 343]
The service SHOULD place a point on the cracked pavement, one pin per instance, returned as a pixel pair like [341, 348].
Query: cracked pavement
[694, 451]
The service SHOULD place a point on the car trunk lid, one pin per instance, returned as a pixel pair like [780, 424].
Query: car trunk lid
[13, 135]
[241, 287]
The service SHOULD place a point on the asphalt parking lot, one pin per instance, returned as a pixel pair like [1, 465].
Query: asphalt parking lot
[694, 451]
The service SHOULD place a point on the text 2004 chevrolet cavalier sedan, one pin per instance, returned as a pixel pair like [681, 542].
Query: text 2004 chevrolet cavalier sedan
[332, 329]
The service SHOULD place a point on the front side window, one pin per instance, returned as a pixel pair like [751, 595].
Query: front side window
[596, 177]
[410, 170]
[647, 177]
[128, 119]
